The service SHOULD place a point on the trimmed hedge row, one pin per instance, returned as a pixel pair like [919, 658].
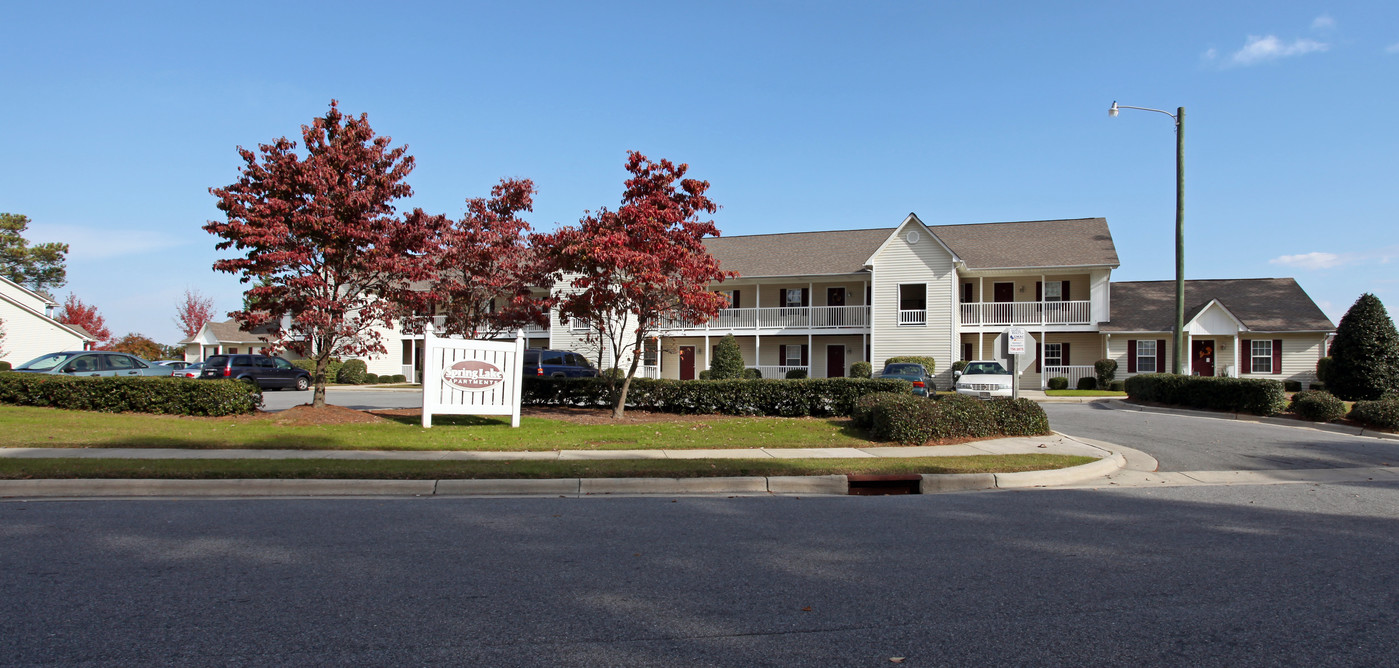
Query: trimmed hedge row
[1237, 395]
[169, 396]
[784, 398]
[915, 420]
[1382, 413]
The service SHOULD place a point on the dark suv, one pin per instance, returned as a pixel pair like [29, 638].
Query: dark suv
[268, 372]
[557, 364]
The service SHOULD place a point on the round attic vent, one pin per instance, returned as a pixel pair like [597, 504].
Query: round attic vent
[912, 236]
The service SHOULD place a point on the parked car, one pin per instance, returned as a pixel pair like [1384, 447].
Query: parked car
[189, 371]
[172, 364]
[984, 379]
[269, 373]
[557, 364]
[92, 363]
[914, 373]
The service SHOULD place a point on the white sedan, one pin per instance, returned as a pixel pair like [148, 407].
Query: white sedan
[984, 379]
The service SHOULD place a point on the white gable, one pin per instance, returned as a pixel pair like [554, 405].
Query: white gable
[1214, 320]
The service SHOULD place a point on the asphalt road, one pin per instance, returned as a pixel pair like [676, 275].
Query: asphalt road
[278, 400]
[1188, 443]
[1237, 576]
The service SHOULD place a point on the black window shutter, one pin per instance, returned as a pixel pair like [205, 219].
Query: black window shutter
[736, 301]
[1039, 357]
[1246, 348]
[806, 297]
[1064, 292]
[1064, 354]
[782, 355]
[967, 293]
[782, 297]
[1131, 356]
[1039, 291]
[804, 359]
[1160, 356]
[1277, 355]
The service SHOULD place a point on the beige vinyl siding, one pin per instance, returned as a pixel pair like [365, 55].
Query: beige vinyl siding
[1300, 353]
[925, 262]
[1117, 350]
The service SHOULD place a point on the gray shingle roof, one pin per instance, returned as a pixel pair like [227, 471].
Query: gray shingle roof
[229, 332]
[1263, 304]
[1044, 243]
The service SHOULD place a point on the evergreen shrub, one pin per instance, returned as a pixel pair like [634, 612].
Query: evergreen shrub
[1057, 383]
[912, 420]
[1257, 396]
[399, 378]
[1382, 414]
[1317, 406]
[928, 362]
[728, 359]
[149, 394]
[351, 372]
[1087, 383]
[819, 397]
[1365, 353]
[371, 378]
[861, 370]
[796, 374]
[1104, 371]
[752, 374]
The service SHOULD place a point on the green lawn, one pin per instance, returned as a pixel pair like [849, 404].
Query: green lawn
[24, 469]
[1083, 393]
[28, 427]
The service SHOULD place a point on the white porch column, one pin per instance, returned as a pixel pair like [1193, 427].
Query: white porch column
[1190, 368]
[1236, 354]
[707, 353]
[810, 355]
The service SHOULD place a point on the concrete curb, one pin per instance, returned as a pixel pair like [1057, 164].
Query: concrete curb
[1259, 419]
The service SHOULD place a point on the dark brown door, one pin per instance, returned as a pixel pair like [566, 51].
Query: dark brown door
[687, 362]
[836, 297]
[835, 361]
[1202, 352]
[1005, 292]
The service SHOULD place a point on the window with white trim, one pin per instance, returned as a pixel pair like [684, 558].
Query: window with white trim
[913, 304]
[1261, 353]
[1054, 291]
[794, 298]
[1146, 357]
[794, 356]
[1054, 354]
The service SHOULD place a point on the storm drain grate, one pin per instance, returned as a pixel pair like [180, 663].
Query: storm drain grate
[883, 485]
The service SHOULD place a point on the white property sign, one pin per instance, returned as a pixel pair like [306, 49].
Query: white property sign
[464, 377]
[1015, 340]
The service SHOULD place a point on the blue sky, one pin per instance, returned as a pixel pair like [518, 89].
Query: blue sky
[802, 115]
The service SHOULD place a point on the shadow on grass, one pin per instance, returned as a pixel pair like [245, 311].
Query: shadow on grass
[448, 420]
[298, 442]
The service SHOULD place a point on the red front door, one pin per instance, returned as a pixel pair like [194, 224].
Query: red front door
[1202, 357]
[835, 361]
[687, 362]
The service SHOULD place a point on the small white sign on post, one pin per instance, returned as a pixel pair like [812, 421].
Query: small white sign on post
[1015, 340]
[465, 377]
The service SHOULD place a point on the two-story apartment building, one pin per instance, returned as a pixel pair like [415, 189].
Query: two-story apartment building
[820, 301]
[30, 327]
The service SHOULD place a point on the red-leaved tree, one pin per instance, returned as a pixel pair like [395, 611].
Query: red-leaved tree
[486, 268]
[75, 312]
[329, 257]
[192, 312]
[636, 270]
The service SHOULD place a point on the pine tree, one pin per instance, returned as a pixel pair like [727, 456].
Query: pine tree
[1365, 353]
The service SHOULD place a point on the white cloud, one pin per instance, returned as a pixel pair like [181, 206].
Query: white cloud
[1323, 22]
[88, 243]
[1318, 260]
[1263, 49]
[1309, 260]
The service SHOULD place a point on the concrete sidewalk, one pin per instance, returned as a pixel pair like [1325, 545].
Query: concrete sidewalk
[1109, 460]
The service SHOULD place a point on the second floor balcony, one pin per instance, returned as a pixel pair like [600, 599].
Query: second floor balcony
[439, 322]
[1028, 313]
[783, 318]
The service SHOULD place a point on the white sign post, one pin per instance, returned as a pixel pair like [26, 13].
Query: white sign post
[464, 377]
[1016, 348]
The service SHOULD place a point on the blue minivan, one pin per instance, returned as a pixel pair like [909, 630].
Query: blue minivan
[546, 363]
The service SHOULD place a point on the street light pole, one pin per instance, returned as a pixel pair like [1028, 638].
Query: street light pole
[1179, 118]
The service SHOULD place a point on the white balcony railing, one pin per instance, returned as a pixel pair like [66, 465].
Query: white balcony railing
[779, 371]
[1073, 373]
[913, 317]
[787, 317]
[440, 321]
[1027, 313]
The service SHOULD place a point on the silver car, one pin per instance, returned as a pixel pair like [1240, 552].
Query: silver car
[984, 379]
[92, 363]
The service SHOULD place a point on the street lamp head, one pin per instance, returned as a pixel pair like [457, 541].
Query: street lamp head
[1112, 111]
